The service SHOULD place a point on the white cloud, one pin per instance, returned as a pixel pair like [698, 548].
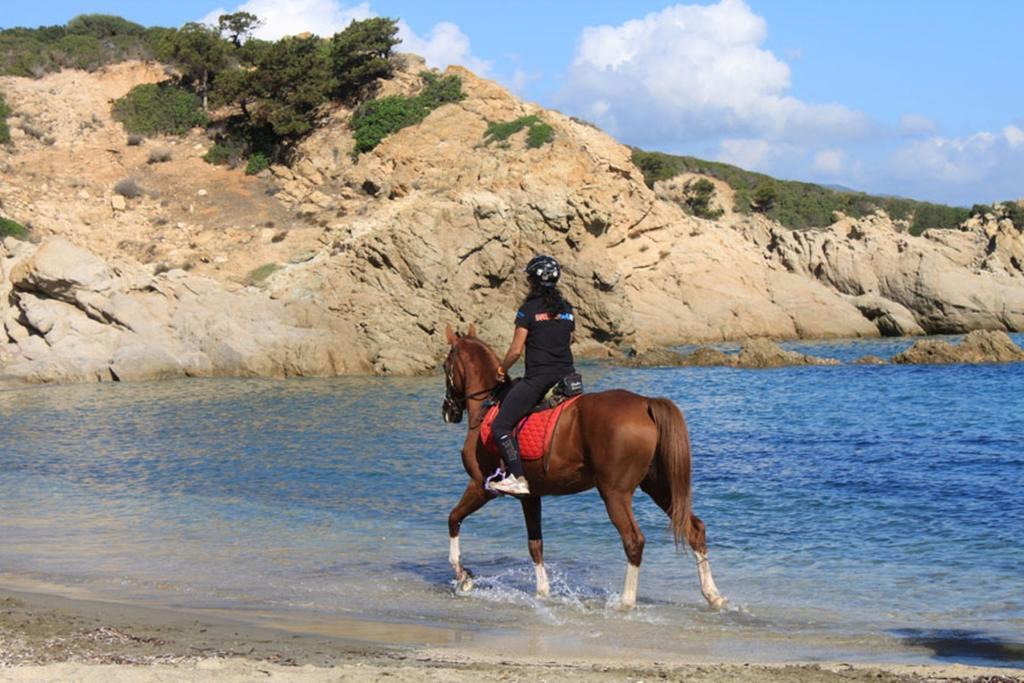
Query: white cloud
[291, 17]
[693, 72]
[948, 160]
[912, 125]
[444, 44]
[758, 154]
[1014, 136]
[830, 161]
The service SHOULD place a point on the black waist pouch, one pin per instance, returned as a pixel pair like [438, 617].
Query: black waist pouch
[570, 385]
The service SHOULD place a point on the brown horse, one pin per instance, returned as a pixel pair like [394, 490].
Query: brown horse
[614, 440]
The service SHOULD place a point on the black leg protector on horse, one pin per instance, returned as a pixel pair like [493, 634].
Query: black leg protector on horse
[510, 449]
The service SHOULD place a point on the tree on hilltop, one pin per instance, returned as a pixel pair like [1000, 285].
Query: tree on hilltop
[764, 198]
[238, 26]
[361, 54]
[199, 51]
[291, 79]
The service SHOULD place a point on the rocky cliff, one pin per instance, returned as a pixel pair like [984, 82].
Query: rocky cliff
[335, 265]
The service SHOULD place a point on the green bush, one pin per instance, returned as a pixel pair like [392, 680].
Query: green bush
[224, 153]
[697, 198]
[9, 228]
[539, 132]
[257, 163]
[103, 26]
[240, 140]
[5, 111]
[159, 108]
[379, 118]
[86, 42]
[796, 204]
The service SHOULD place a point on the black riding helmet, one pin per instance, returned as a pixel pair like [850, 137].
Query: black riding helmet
[543, 270]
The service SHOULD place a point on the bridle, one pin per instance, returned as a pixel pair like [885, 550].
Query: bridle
[454, 406]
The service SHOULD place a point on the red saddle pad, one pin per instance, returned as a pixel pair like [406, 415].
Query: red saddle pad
[533, 432]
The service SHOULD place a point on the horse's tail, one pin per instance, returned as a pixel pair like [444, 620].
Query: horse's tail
[672, 458]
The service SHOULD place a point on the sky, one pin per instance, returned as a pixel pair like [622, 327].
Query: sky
[919, 98]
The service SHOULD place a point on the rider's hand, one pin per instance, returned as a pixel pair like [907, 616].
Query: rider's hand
[500, 375]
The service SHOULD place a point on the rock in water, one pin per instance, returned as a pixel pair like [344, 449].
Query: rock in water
[980, 346]
[762, 353]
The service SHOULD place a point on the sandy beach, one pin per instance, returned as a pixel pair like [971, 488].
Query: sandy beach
[50, 638]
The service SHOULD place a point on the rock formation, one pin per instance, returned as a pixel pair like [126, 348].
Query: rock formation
[335, 265]
[980, 346]
[755, 354]
[77, 318]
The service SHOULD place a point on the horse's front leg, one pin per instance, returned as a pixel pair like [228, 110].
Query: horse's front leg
[473, 498]
[535, 541]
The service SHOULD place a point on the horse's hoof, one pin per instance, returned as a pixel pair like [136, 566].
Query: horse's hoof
[541, 595]
[718, 604]
[465, 585]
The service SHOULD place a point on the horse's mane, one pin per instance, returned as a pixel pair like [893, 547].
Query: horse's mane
[476, 346]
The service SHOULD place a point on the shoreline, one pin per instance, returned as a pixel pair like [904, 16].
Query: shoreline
[657, 358]
[44, 636]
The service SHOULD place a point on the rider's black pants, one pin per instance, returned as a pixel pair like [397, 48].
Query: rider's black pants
[520, 400]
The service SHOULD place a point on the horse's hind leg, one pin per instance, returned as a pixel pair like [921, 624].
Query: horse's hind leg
[658, 491]
[620, 510]
[532, 512]
[699, 544]
[473, 498]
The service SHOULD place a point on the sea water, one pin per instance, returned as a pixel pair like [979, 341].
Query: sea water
[860, 512]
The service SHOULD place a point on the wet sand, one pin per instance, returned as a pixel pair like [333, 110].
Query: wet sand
[49, 638]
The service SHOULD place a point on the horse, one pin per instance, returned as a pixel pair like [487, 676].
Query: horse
[612, 440]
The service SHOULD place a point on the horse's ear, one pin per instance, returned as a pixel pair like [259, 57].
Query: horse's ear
[453, 338]
[471, 332]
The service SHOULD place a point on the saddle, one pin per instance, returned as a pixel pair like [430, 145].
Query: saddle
[561, 391]
[535, 431]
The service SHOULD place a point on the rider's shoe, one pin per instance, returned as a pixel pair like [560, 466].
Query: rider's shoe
[510, 486]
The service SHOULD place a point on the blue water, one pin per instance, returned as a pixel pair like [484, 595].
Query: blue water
[852, 510]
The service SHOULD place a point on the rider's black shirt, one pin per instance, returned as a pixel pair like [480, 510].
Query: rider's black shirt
[548, 340]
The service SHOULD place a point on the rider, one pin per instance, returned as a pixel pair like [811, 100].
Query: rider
[545, 328]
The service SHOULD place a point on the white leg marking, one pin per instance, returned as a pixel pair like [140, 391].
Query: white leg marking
[629, 590]
[454, 555]
[464, 580]
[707, 582]
[543, 587]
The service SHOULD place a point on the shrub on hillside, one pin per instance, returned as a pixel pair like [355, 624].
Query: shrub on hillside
[698, 196]
[539, 133]
[159, 108]
[128, 188]
[764, 198]
[135, 140]
[80, 52]
[5, 111]
[796, 204]
[159, 156]
[9, 228]
[86, 42]
[381, 117]
[257, 162]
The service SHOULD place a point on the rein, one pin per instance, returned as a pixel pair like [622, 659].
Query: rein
[456, 403]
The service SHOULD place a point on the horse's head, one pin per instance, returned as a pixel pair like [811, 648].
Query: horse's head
[461, 372]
